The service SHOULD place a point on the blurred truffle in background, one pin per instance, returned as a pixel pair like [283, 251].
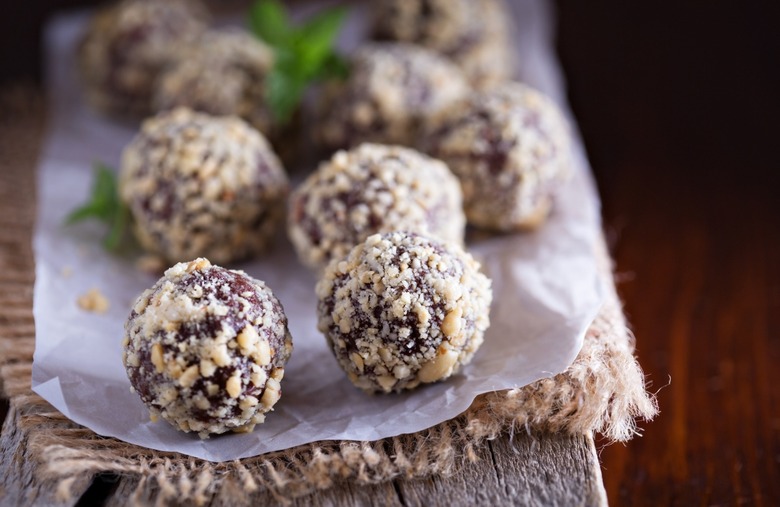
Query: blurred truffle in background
[202, 186]
[126, 46]
[473, 33]
[510, 148]
[221, 73]
[391, 90]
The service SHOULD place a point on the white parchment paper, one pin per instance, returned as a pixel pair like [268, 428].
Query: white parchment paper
[545, 284]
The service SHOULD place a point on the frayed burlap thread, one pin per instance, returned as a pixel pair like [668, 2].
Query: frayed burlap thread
[603, 391]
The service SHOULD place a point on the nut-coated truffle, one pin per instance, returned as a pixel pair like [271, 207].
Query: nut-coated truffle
[198, 185]
[510, 148]
[472, 33]
[403, 309]
[205, 349]
[369, 189]
[222, 73]
[126, 46]
[391, 90]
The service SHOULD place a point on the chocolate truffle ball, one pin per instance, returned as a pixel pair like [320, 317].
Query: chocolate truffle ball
[223, 73]
[198, 185]
[205, 348]
[473, 33]
[391, 90]
[403, 309]
[126, 46]
[373, 188]
[509, 147]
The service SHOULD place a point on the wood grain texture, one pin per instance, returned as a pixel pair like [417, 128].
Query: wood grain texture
[539, 469]
[521, 469]
[19, 484]
[535, 469]
[678, 106]
[527, 470]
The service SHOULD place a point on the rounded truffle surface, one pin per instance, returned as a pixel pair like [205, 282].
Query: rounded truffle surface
[509, 147]
[369, 189]
[391, 90]
[473, 33]
[199, 185]
[205, 348]
[402, 310]
[222, 73]
[127, 45]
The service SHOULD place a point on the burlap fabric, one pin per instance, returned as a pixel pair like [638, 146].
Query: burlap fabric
[603, 391]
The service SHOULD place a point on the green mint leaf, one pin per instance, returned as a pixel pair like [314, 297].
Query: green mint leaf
[105, 189]
[286, 61]
[81, 213]
[284, 92]
[117, 228]
[101, 200]
[335, 66]
[268, 20]
[104, 205]
[314, 41]
[302, 54]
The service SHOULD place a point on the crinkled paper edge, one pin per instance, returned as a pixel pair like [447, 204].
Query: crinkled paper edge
[603, 391]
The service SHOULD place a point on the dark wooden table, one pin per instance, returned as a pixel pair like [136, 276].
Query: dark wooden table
[678, 104]
[679, 107]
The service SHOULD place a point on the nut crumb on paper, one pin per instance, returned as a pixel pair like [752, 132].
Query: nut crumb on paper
[93, 301]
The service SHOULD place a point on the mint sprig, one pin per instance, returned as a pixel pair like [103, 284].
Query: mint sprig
[104, 205]
[303, 53]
